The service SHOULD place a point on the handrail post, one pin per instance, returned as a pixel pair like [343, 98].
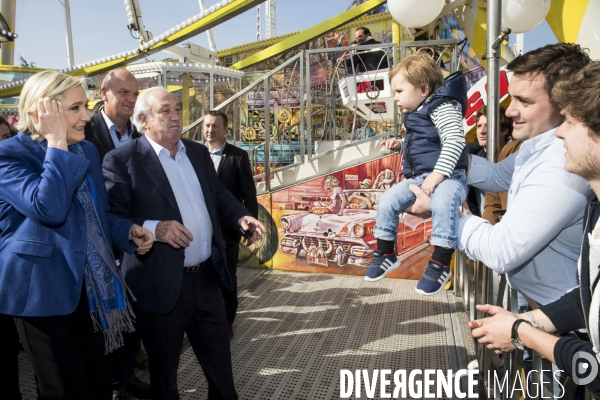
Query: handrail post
[493, 63]
[267, 155]
[308, 109]
[301, 135]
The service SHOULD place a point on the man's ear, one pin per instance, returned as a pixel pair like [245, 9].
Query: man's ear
[143, 119]
[103, 94]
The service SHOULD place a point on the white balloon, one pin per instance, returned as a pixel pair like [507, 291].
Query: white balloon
[415, 13]
[523, 15]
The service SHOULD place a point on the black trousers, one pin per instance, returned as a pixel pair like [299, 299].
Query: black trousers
[200, 313]
[230, 297]
[67, 355]
[9, 358]
[124, 362]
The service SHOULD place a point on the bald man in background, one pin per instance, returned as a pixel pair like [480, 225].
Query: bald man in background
[108, 129]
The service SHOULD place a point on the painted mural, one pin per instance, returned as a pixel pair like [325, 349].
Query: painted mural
[326, 224]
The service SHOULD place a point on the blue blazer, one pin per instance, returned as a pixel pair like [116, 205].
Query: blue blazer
[43, 229]
[139, 190]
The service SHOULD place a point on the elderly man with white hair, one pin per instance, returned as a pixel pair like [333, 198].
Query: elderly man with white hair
[169, 185]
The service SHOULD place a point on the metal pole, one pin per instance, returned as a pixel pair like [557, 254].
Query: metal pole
[493, 57]
[212, 91]
[301, 135]
[7, 50]
[185, 99]
[267, 156]
[211, 40]
[70, 54]
[308, 90]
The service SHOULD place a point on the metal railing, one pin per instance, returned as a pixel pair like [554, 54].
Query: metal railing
[299, 108]
[475, 284]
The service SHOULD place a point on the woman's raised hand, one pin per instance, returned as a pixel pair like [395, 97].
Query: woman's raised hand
[50, 122]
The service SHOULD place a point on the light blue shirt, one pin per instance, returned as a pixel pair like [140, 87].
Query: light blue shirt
[218, 155]
[538, 241]
[116, 137]
[190, 200]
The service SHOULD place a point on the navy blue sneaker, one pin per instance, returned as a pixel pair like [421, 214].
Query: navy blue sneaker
[381, 265]
[434, 279]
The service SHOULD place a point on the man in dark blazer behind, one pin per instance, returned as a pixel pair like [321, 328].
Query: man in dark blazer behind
[234, 172]
[369, 59]
[170, 185]
[111, 126]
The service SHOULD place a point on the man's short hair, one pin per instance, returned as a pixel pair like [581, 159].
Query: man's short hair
[142, 106]
[110, 76]
[420, 71]
[506, 123]
[553, 61]
[218, 113]
[365, 30]
[579, 95]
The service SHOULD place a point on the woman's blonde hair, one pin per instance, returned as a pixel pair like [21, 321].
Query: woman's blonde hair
[50, 84]
[332, 179]
[420, 71]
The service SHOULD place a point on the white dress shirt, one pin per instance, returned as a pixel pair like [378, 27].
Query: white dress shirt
[190, 200]
[216, 156]
[538, 241]
[115, 135]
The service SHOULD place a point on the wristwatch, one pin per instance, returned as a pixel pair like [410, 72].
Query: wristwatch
[515, 337]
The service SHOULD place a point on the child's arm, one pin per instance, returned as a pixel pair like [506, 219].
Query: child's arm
[448, 121]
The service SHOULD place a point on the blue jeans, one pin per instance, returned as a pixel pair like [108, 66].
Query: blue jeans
[446, 200]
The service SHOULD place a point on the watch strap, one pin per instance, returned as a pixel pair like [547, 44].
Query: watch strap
[515, 329]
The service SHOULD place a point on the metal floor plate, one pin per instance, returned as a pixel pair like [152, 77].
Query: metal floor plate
[294, 332]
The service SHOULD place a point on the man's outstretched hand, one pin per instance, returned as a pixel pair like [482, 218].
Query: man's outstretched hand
[421, 206]
[251, 224]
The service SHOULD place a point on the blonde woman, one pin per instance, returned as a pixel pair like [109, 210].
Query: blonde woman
[58, 277]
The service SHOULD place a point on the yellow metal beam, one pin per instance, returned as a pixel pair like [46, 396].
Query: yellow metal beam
[309, 34]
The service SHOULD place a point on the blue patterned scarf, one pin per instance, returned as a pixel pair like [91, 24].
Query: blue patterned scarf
[105, 288]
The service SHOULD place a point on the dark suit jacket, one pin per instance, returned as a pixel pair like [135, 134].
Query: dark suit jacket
[235, 175]
[43, 228]
[97, 133]
[370, 59]
[139, 189]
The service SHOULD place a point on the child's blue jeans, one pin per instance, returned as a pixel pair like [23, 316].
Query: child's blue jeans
[446, 200]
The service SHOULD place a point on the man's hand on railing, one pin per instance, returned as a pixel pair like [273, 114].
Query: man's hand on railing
[495, 331]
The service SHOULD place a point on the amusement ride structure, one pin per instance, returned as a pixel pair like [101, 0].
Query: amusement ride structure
[303, 110]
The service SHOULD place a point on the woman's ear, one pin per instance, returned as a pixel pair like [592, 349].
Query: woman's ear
[34, 117]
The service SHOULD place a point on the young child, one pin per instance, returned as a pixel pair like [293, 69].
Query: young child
[434, 159]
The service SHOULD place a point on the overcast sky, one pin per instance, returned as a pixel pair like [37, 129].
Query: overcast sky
[99, 27]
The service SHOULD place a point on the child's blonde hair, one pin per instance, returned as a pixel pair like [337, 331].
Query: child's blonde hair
[420, 71]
